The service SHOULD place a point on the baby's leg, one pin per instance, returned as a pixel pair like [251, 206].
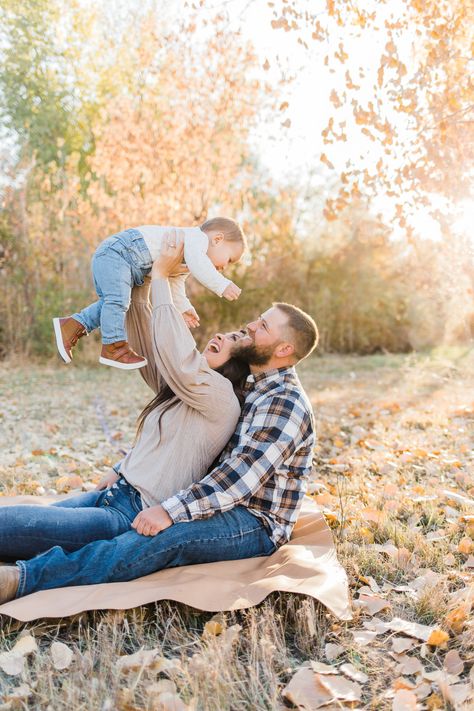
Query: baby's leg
[113, 283]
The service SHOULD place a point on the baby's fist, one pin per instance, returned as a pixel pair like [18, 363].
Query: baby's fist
[191, 318]
[231, 292]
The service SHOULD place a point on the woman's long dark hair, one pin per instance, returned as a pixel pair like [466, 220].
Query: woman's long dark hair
[234, 370]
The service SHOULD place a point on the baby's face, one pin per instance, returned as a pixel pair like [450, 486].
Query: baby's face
[222, 252]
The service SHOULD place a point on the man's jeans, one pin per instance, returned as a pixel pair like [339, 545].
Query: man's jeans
[225, 536]
[119, 263]
[26, 531]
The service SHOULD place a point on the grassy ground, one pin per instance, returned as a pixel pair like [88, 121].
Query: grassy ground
[394, 473]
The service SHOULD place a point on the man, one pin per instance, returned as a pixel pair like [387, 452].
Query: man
[245, 507]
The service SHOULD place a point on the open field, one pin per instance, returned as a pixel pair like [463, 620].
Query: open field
[394, 473]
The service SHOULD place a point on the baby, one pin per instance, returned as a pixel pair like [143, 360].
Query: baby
[122, 261]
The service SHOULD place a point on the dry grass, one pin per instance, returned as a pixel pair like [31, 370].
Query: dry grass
[394, 432]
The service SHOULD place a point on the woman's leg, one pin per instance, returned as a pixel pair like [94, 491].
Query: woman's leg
[26, 531]
[226, 536]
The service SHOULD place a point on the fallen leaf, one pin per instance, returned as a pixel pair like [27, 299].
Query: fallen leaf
[412, 629]
[438, 638]
[402, 644]
[62, 655]
[409, 665]
[322, 668]
[465, 546]
[353, 673]
[12, 664]
[66, 483]
[453, 663]
[363, 637]
[372, 604]
[333, 651]
[305, 691]
[457, 618]
[25, 645]
[138, 660]
[212, 628]
[404, 700]
[340, 688]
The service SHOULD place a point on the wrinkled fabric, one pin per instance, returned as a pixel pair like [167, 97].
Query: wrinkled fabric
[307, 565]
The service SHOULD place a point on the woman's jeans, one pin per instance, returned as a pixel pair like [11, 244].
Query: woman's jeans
[26, 530]
[225, 536]
[119, 263]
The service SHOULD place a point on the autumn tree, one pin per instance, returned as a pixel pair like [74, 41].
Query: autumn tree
[166, 141]
[402, 90]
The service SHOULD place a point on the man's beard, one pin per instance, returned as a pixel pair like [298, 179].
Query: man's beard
[252, 355]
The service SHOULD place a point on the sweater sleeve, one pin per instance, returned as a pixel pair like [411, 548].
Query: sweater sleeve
[178, 293]
[138, 327]
[182, 366]
[199, 264]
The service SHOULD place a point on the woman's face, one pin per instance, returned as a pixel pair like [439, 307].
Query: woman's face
[219, 349]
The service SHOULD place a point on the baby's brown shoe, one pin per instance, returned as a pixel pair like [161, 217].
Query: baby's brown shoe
[120, 355]
[67, 332]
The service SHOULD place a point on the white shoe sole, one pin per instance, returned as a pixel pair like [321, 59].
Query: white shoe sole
[122, 366]
[59, 341]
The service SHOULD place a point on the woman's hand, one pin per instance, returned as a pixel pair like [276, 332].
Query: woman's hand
[107, 480]
[170, 261]
[191, 318]
[151, 521]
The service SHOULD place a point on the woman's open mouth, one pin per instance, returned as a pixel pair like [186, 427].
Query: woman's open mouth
[214, 346]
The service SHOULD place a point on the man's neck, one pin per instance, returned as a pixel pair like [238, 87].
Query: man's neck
[271, 365]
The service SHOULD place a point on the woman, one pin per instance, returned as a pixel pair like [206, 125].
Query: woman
[180, 433]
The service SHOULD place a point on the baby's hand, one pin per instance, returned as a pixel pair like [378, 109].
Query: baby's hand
[191, 318]
[231, 292]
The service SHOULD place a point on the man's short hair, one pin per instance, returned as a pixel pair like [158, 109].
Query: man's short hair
[304, 333]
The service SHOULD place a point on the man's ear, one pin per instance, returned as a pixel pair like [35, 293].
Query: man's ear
[285, 350]
[217, 238]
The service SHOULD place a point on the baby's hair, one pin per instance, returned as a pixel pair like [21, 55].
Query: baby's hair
[231, 229]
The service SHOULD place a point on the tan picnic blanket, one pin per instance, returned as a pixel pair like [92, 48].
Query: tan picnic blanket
[307, 565]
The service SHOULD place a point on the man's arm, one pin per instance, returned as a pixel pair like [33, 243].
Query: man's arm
[276, 432]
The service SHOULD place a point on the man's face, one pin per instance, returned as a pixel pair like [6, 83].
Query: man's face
[264, 335]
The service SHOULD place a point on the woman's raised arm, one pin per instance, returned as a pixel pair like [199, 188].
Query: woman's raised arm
[182, 366]
[177, 358]
[138, 326]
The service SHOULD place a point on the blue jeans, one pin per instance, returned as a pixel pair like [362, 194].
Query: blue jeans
[225, 536]
[119, 263]
[26, 531]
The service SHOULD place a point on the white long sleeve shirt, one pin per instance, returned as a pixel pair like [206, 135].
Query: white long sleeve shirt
[196, 244]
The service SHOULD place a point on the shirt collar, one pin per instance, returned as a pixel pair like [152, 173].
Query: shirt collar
[268, 376]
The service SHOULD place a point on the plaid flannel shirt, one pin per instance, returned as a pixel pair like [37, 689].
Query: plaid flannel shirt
[266, 463]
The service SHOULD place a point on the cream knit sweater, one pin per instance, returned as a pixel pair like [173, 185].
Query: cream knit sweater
[181, 438]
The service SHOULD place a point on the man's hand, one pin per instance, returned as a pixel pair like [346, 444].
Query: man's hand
[231, 292]
[170, 261]
[151, 521]
[191, 318]
[107, 480]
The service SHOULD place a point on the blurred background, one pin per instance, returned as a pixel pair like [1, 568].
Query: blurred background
[339, 134]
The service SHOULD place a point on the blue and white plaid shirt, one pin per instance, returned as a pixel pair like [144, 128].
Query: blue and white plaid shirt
[266, 463]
